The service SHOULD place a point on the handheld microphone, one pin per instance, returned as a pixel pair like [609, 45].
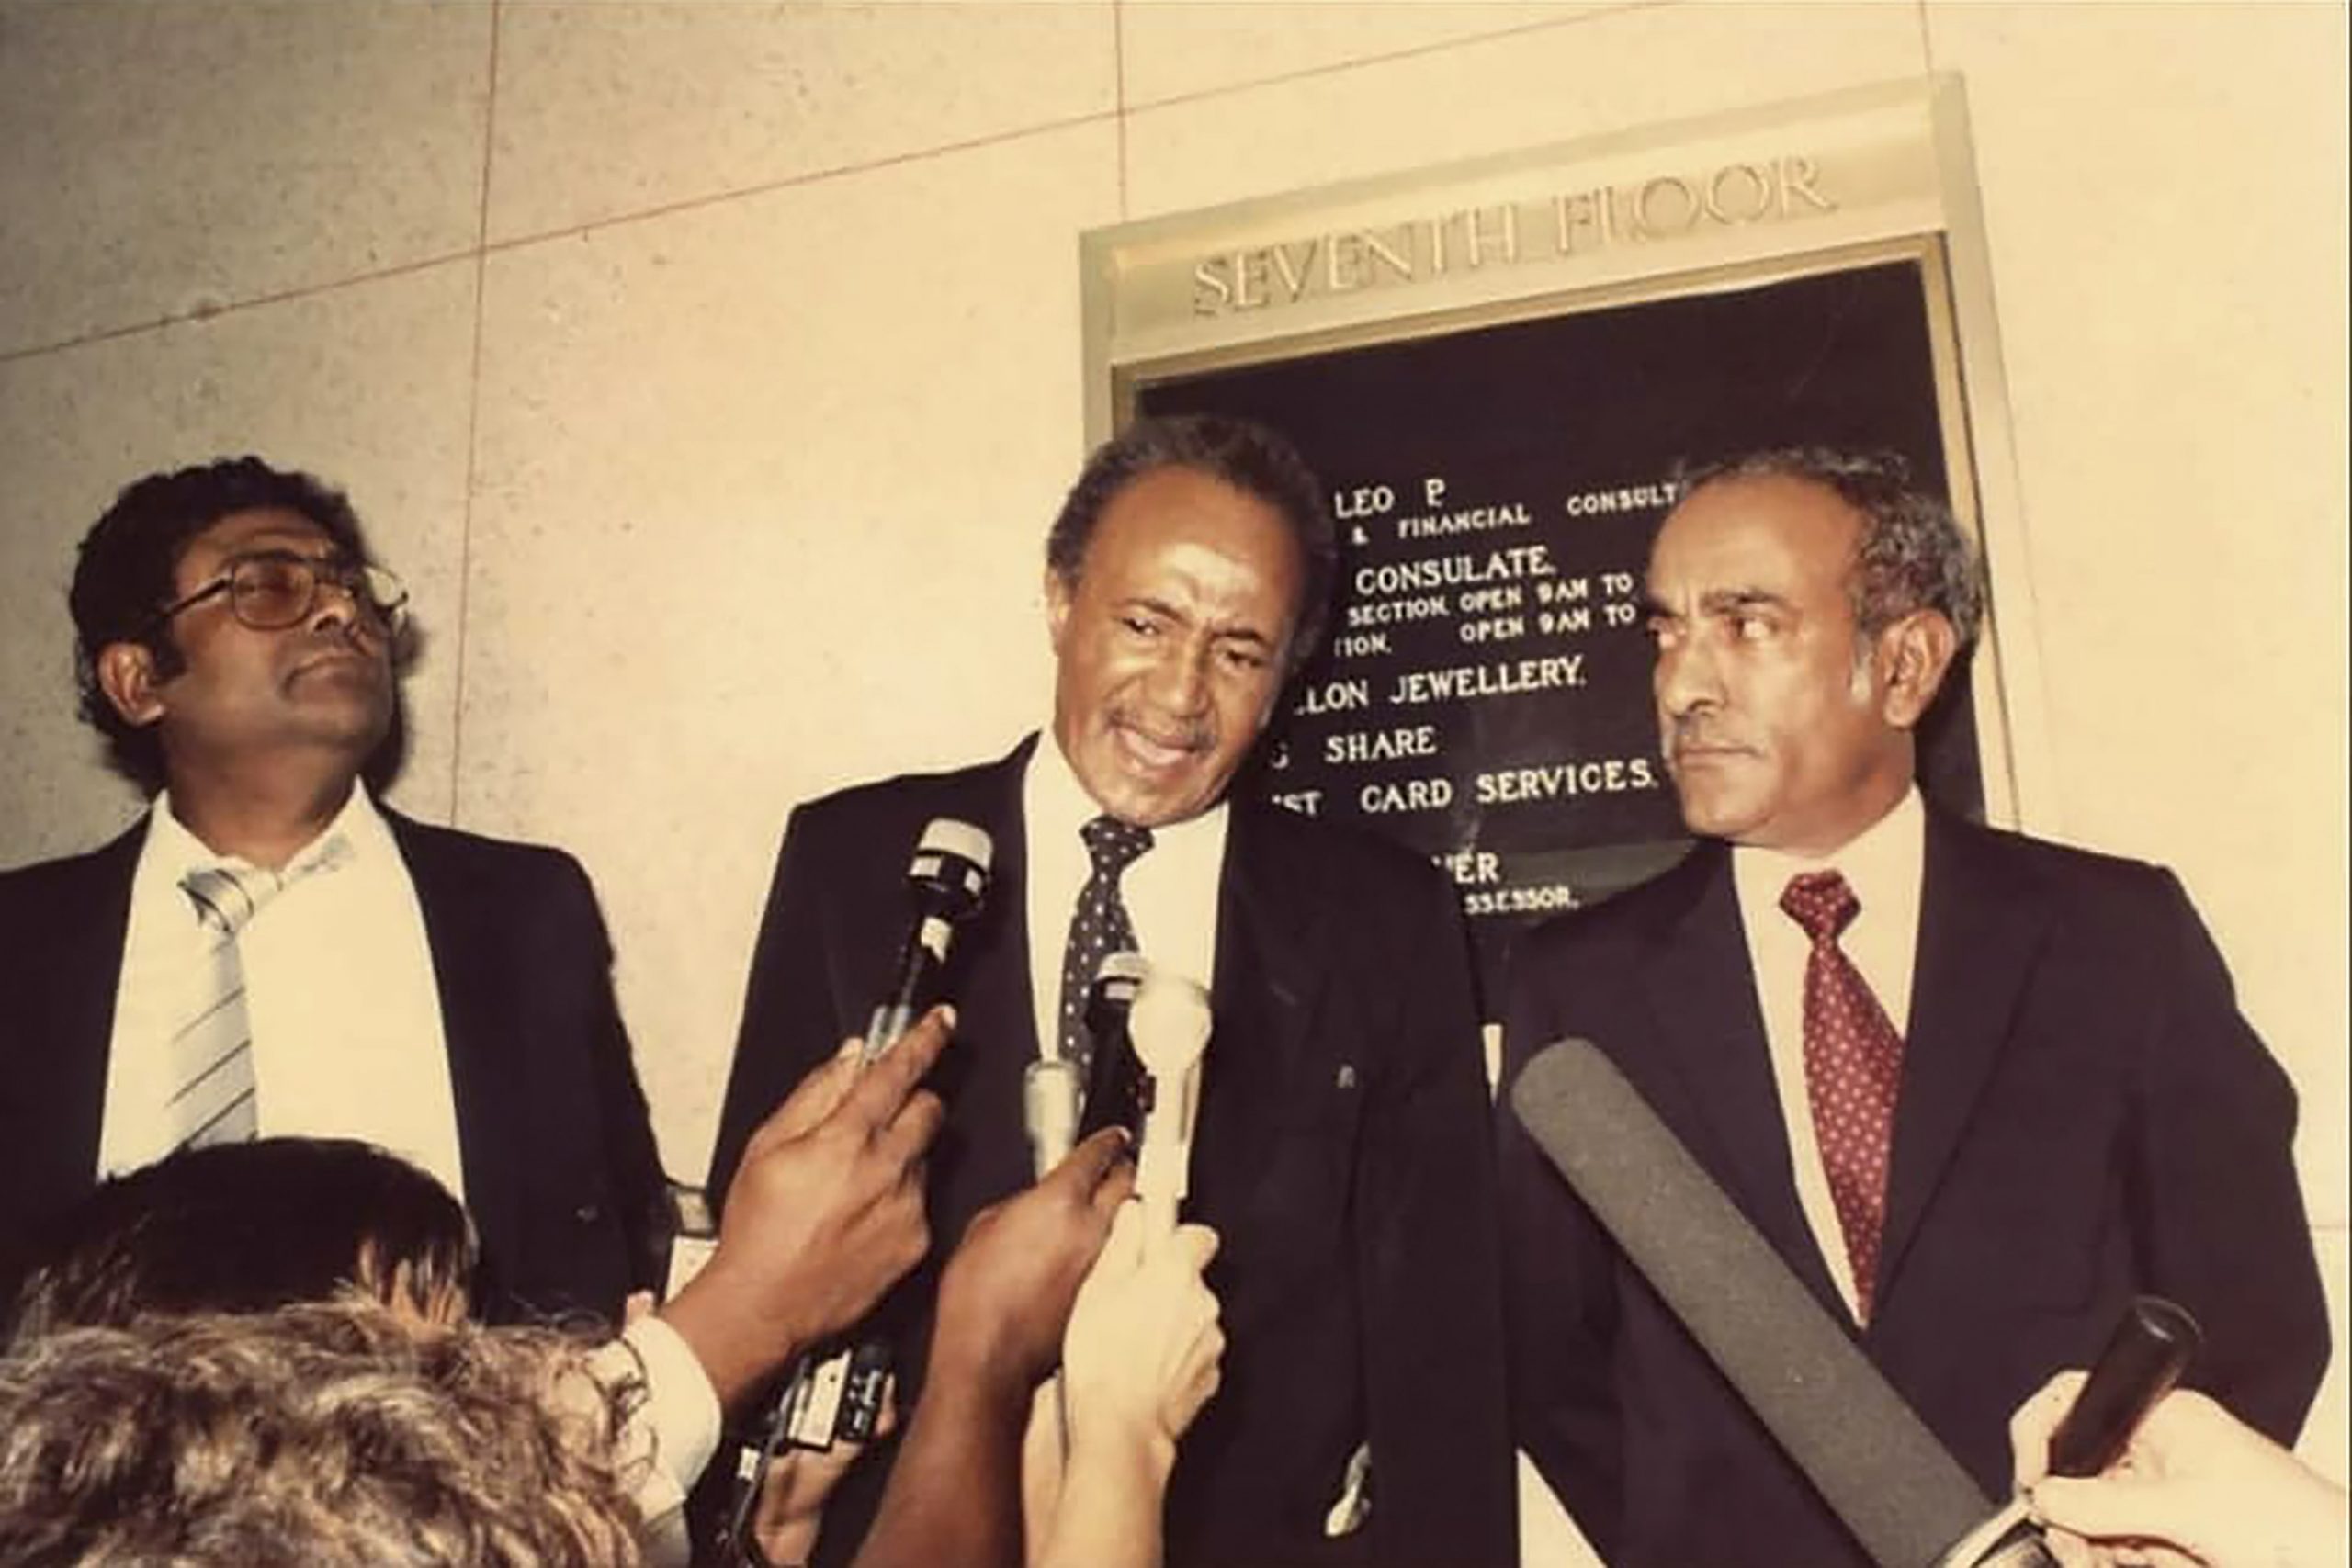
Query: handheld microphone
[1876, 1464]
[2151, 1346]
[1168, 1026]
[1113, 1078]
[837, 1396]
[1873, 1460]
[947, 879]
[1049, 1112]
[1055, 1111]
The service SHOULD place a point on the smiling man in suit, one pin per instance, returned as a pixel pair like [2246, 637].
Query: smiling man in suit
[1343, 1154]
[2070, 1111]
[268, 950]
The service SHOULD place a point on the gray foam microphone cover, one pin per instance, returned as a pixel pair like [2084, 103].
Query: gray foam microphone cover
[1898, 1490]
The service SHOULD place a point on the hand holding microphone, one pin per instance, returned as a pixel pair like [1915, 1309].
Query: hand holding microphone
[824, 1214]
[1144, 1343]
[1057, 1109]
[2191, 1484]
[839, 1394]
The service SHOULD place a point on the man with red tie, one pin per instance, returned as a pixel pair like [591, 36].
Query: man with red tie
[1975, 1089]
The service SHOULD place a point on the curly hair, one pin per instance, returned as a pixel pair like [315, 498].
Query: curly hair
[1259, 462]
[329, 1435]
[125, 571]
[1912, 555]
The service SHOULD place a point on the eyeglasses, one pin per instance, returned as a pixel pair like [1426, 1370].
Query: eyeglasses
[271, 590]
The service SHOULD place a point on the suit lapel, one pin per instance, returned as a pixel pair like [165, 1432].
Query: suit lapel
[995, 991]
[463, 933]
[71, 946]
[1714, 1081]
[1978, 933]
[1270, 939]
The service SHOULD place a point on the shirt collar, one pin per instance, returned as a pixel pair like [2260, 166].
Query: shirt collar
[1877, 862]
[1058, 805]
[175, 851]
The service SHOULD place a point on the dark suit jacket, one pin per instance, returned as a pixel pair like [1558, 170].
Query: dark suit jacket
[562, 1178]
[1343, 1155]
[2083, 1116]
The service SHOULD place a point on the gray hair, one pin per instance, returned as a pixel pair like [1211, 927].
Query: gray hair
[1912, 555]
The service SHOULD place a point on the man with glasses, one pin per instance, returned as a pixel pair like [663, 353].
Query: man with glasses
[269, 949]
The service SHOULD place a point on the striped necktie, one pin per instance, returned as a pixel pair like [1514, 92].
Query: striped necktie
[216, 1096]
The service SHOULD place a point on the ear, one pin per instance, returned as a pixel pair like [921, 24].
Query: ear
[1060, 591]
[127, 675]
[1914, 654]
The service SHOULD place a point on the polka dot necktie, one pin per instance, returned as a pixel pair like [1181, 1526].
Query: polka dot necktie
[1853, 1064]
[1097, 927]
[216, 1096]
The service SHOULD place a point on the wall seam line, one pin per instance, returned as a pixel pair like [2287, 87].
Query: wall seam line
[473, 419]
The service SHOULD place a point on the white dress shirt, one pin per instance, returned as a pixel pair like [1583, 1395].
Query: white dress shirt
[1882, 866]
[339, 990]
[670, 1433]
[1170, 891]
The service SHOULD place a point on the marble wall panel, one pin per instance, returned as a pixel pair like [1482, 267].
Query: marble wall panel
[1174, 49]
[614, 108]
[764, 492]
[1602, 72]
[165, 161]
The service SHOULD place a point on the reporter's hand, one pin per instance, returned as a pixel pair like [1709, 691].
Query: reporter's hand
[2194, 1486]
[1005, 1296]
[1142, 1353]
[824, 1214]
[791, 1510]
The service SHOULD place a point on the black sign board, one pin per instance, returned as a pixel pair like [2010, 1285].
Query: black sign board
[1484, 696]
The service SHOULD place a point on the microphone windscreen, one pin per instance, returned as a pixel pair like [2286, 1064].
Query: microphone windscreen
[952, 836]
[1123, 967]
[1875, 1463]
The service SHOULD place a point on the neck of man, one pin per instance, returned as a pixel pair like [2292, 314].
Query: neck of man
[1876, 795]
[264, 812]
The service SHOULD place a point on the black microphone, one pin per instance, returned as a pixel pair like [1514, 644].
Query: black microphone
[1115, 1079]
[946, 880]
[1876, 1464]
[2151, 1346]
[838, 1396]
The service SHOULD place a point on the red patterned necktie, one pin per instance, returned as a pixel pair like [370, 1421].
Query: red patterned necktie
[1853, 1064]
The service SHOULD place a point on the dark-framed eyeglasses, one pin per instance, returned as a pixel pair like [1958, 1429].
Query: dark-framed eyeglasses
[271, 590]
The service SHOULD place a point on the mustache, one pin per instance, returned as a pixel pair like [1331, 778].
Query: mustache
[352, 637]
[1190, 736]
[1695, 733]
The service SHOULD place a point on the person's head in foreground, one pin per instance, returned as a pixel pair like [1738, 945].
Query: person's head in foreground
[328, 1435]
[247, 1226]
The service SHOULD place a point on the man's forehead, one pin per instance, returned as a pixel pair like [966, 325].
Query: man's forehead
[259, 528]
[260, 525]
[1772, 532]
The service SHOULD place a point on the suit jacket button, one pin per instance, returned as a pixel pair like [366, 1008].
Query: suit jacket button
[588, 1213]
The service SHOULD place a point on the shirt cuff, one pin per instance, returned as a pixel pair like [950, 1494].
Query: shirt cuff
[680, 1415]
